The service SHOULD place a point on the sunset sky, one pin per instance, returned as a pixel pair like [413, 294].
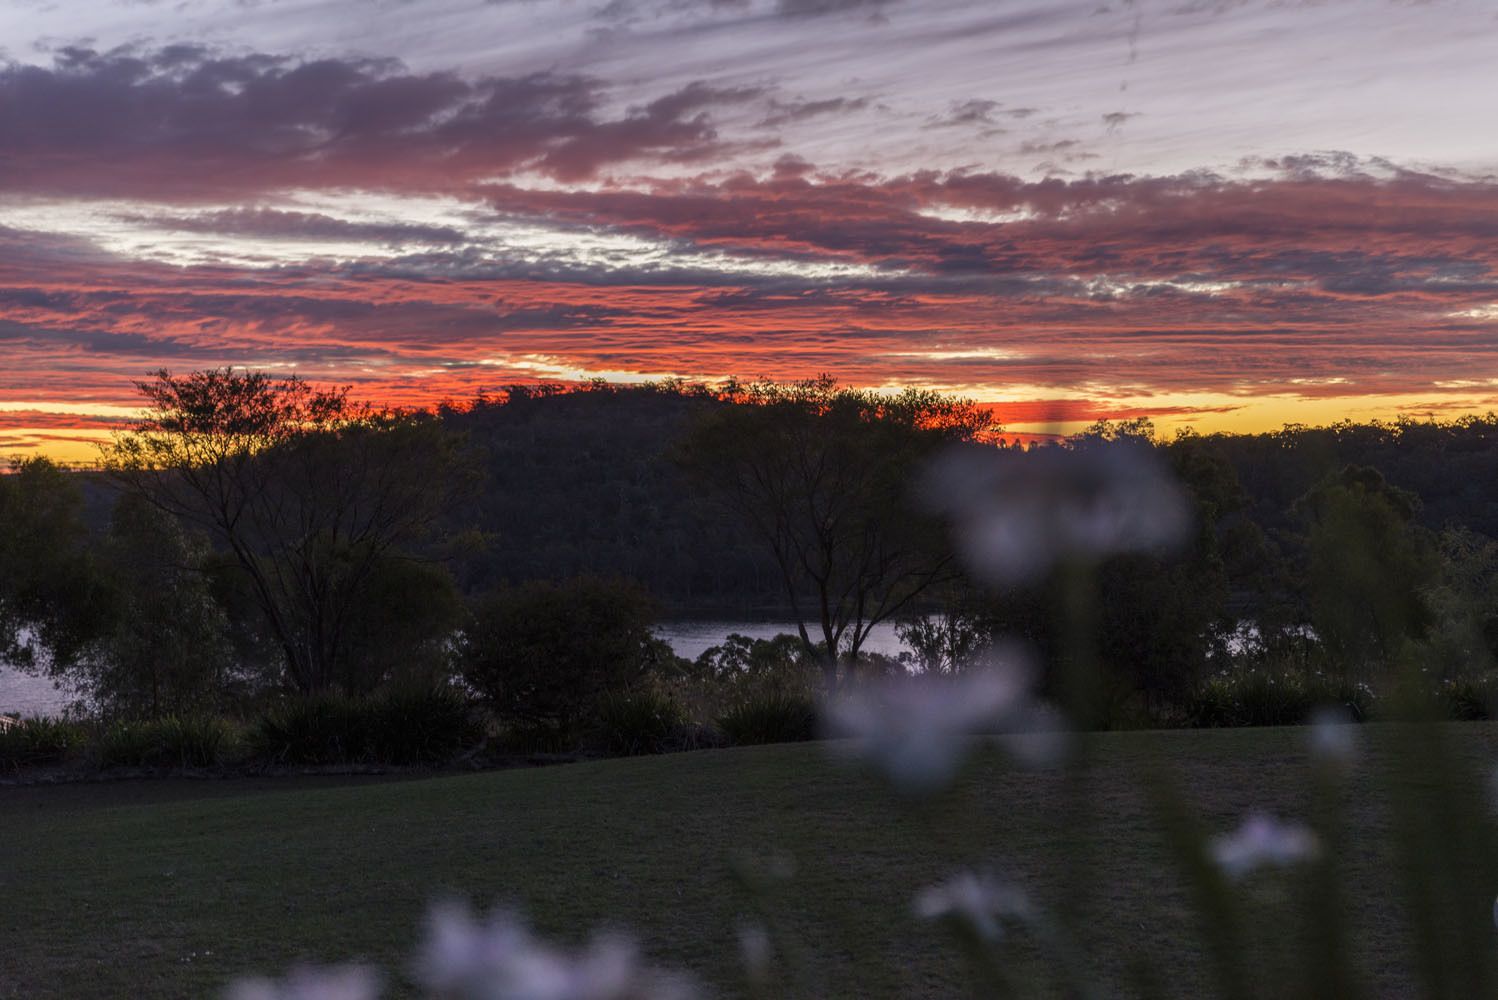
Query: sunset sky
[1227, 213]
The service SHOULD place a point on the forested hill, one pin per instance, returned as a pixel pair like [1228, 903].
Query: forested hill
[582, 482]
[1451, 467]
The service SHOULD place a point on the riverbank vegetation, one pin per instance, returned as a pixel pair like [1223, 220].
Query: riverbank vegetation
[255, 543]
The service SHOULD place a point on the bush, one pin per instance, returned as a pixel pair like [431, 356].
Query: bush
[770, 718]
[315, 730]
[644, 721]
[537, 738]
[548, 652]
[173, 741]
[742, 669]
[1268, 698]
[421, 725]
[1469, 699]
[39, 741]
[400, 726]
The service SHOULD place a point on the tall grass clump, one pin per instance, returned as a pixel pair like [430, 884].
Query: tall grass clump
[172, 741]
[420, 725]
[643, 721]
[1260, 697]
[315, 730]
[770, 717]
[425, 725]
[1470, 698]
[32, 742]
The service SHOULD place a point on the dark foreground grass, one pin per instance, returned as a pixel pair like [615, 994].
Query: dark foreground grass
[168, 889]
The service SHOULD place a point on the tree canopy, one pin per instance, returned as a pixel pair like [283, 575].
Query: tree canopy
[311, 493]
[823, 475]
[49, 593]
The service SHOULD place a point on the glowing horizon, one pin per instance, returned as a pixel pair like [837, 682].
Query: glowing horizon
[1228, 216]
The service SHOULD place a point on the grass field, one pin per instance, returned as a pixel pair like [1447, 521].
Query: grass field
[168, 888]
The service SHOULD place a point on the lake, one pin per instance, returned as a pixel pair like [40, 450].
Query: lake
[37, 696]
[29, 695]
[690, 638]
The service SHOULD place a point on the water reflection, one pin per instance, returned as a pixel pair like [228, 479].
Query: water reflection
[36, 695]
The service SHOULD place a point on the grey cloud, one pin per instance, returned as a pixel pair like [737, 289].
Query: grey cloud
[977, 111]
[818, 8]
[185, 121]
[91, 340]
[1037, 147]
[787, 112]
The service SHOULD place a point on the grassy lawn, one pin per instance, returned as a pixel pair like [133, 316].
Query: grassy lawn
[168, 888]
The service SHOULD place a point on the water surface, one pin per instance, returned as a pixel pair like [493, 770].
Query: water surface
[37, 696]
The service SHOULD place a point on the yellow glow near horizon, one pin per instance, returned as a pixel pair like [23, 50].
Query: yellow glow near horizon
[78, 448]
[1204, 413]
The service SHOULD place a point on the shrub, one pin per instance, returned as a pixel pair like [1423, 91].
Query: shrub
[1269, 698]
[195, 741]
[743, 668]
[39, 741]
[742, 656]
[321, 729]
[1469, 699]
[425, 725]
[537, 738]
[173, 741]
[421, 725]
[776, 717]
[643, 721]
[547, 652]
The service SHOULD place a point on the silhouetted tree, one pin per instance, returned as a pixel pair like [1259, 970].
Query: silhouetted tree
[311, 493]
[1367, 568]
[164, 646]
[825, 477]
[50, 595]
[545, 652]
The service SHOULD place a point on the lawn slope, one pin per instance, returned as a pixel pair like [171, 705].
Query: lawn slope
[167, 889]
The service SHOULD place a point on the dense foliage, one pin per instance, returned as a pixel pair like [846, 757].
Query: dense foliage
[49, 588]
[1317, 561]
[825, 478]
[314, 496]
[582, 483]
[546, 653]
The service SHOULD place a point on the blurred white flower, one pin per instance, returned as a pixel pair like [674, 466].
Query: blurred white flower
[343, 982]
[916, 728]
[1018, 513]
[755, 948]
[1333, 736]
[499, 959]
[1038, 735]
[981, 901]
[1263, 840]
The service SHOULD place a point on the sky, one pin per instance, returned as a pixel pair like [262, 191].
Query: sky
[1221, 214]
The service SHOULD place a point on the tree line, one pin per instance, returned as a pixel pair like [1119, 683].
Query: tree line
[268, 536]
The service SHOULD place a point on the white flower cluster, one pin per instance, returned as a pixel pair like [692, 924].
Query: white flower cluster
[465, 958]
[917, 728]
[1333, 736]
[981, 901]
[1260, 841]
[1019, 513]
[499, 959]
[341, 982]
